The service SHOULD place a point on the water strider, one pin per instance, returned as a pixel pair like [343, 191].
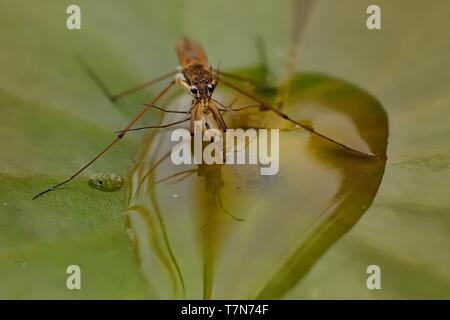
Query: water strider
[198, 77]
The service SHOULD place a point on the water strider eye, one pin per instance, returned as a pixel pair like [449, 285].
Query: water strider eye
[194, 90]
[210, 88]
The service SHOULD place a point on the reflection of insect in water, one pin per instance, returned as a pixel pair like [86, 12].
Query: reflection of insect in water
[106, 182]
[200, 79]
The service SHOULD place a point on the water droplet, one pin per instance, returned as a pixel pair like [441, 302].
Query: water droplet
[106, 182]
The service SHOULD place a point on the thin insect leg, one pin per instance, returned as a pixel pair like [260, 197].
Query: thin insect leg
[238, 77]
[280, 129]
[185, 174]
[157, 126]
[229, 107]
[285, 116]
[94, 77]
[119, 137]
[228, 213]
[149, 172]
[225, 107]
[248, 107]
[148, 107]
[142, 86]
[107, 92]
[218, 200]
[258, 105]
[169, 111]
[79, 171]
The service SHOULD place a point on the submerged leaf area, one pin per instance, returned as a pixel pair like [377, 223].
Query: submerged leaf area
[180, 215]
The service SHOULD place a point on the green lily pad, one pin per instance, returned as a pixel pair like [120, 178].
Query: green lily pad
[170, 238]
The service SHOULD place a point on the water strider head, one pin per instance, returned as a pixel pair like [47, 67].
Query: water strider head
[200, 82]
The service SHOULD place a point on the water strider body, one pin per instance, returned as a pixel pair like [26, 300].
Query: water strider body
[200, 79]
[196, 75]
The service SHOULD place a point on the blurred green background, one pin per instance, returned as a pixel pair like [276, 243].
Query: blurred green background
[53, 117]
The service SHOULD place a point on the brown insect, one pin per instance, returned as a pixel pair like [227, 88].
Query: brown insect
[200, 79]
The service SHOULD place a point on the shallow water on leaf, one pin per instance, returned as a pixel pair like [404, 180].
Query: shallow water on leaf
[187, 244]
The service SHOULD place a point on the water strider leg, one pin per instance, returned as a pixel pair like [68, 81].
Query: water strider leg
[185, 174]
[288, 118]
[218, 200]
[119, 137]
[228, 213]
[144, 85]
[225, 107]
[263, 60]
[248, 80]
[169, 111]
[115, 97]
[256, 105]
[161, 126]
